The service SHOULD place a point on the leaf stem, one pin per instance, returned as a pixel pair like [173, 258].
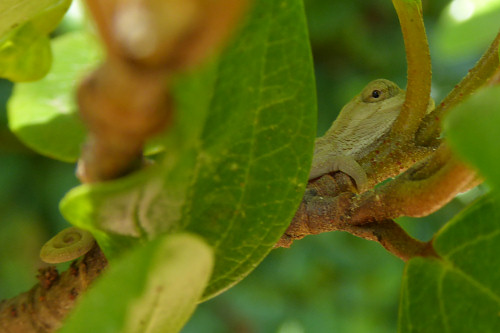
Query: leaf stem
[419, 69]
[394, 239]
[484, 69]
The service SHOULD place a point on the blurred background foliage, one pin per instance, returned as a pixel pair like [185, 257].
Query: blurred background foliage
[327, 283]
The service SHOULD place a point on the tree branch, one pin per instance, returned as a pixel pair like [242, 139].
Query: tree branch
[330, 204]
[420, 191]
[44, 307]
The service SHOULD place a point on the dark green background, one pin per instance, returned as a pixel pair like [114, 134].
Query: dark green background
[327, 283]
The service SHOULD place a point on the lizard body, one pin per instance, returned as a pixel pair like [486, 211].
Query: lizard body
[360, 123]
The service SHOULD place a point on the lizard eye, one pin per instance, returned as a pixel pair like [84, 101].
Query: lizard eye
[379, 90]
[376, 93]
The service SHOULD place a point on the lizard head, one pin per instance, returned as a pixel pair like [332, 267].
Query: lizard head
[374, 109]
[382, 96]
[379, 102]
[369, 115]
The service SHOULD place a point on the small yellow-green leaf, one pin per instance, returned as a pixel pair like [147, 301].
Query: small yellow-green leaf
[45, 14]
[26, 55]
[24, 43]
[154, 288]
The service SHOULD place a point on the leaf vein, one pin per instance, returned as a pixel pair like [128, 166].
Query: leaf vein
[472, 242]
[473, 281]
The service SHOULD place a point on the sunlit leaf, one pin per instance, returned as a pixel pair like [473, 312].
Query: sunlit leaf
[26, 55]
[24, 43]
[154, 288]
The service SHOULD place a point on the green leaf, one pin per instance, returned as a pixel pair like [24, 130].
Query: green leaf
[472, 131]
[237, 159]
[26, 56]
[154, 288]
[43, 114]
[24, 43]
[460, 292]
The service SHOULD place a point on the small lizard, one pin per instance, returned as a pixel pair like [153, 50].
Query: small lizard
[360, 123]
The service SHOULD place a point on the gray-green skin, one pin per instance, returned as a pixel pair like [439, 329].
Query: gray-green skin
[360, 123]
[67, 245]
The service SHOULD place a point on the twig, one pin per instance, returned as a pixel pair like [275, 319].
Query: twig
[394, 239]
[484, 69]
[419, 69]
[420, 191]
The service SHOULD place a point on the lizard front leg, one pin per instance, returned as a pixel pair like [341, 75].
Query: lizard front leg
[326, 163]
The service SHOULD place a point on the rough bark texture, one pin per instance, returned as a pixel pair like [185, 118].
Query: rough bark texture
[44, 307]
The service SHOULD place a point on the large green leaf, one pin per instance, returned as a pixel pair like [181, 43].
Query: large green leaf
[24, 43]
[237, 158]
[460, 292]
[154, 288]
[43, 114]
[472, 130]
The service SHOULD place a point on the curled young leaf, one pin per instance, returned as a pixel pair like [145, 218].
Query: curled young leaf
[67, 245]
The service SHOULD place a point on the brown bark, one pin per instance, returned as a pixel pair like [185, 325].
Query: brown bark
[44, 307]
